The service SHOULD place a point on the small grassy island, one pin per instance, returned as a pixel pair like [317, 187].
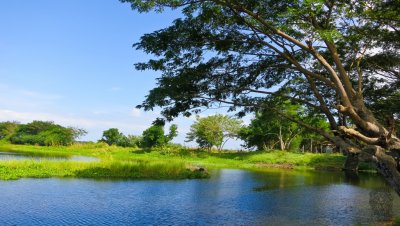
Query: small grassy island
[169, 162]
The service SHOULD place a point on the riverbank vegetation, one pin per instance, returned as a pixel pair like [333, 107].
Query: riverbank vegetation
[16, 169]
[168, 162]
[153, 156]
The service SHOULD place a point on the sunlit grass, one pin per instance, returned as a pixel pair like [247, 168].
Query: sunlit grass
[16, 169]
[169, 163]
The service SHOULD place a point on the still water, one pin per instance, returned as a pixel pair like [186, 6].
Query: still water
[230, 197]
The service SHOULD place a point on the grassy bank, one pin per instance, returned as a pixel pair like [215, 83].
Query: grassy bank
[230, 159]
[16, 169]
[166, 163]
[107, 166]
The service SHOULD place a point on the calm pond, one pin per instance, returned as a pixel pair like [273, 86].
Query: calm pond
[230, 197]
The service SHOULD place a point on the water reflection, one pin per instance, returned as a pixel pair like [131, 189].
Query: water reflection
[352, 177]
[381, 202]
[284, 179]
[229, 197]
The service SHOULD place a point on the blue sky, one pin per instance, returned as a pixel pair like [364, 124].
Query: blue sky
[71, 62]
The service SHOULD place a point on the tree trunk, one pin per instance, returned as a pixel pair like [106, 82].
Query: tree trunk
[386, 165]
[351, 163]
[282, 143]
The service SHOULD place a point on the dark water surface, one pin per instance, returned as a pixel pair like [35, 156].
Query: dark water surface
[230, 197]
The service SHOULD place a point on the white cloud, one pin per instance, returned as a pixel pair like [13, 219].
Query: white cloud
[136, 113]
[14, 97]
[25, 117]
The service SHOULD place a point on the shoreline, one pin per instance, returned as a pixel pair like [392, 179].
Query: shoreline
[129, 163]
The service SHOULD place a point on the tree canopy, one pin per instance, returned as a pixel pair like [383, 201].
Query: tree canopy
[213, 130]
[339, 59]
[154, 135]
[112, 136]
[7, 129]
[269, 131]
[40, 133]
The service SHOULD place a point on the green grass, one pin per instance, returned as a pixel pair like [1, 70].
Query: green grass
[15, 169]
[167, 163]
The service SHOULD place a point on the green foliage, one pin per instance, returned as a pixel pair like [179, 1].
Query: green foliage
[154, 136]
[134, 141]
[45, 134]
[268, 130]
[56, 136]
[7, 129]
[172, 154]
[213, 130]
[170, 149]
[11, 170]
[112, 136]
[173, 132]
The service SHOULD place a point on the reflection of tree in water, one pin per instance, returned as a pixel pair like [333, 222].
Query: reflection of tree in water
[381, 202]
[352, 177]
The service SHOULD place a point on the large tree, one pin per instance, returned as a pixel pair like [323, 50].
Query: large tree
[338, 58]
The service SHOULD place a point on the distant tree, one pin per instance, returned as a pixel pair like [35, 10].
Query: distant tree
[271, 131]
[173, 132]
[154, 136]
[7, 129]
[134, 141]
[56, 135]
[77, 132]
[267, 132]
[45, 133]
[112, 136]
[214, 130]
[36, 127]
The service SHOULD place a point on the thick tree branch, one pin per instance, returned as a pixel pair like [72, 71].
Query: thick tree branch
[358, 135]
[324, 107]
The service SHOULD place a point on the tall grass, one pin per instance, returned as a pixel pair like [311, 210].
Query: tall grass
[16, 169]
